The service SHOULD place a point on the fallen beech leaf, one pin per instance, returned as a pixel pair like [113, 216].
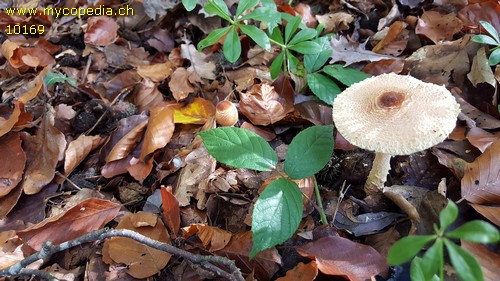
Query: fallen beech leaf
[384, 66]
[481, 10]
[351, 53]
[44, 150]
[395, 41]
[341, 256]
[159, 131]
[490, 212]
[438, 27]
[79, 149]
[438, 63]
[11, 171]
[101, 31]
[335, 22]
[263, 105]
[213, 238]
[171, 212]
[197, 112]
[179, 84]
[10, 251]
[303, 272]
[264, 265]
[147, 95]
[8, 117]
[31, 89]
[23, 58]
[89, 215]
[156, 72]
[383, 241]
[127, 143]
[481, 181]
[481, 138]
[139, 169]
[199, 63]
[142, 261]
[125, 80]
[480, 71]
[489, 261]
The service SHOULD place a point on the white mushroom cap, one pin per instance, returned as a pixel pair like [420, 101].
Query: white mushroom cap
[395, 114]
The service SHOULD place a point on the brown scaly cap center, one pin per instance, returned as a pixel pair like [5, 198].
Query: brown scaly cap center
[390, 100]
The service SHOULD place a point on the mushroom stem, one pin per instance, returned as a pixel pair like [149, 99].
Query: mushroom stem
[378, 174]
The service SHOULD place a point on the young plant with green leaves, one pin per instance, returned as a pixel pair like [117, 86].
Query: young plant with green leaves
[278, 209]
[431, 263]
[493, 39]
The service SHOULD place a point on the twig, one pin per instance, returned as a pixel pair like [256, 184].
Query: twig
[342, 192]
[48, 249]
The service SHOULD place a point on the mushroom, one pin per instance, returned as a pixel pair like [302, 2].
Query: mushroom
[393, 115]
[226, 113]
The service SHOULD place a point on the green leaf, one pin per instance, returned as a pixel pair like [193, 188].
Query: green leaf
[305, 47]
[432, 259]
[323, 87]
[406, 248]
[277, 36]
[303, 35]
[239, 148]
[464, 263]
[52, 78]
[213, 37]
[494, 57]
[309, 151]
[491, 30]
[244, 5]
[276, 214]
[313, 62]
[257, 35]
[232, 45]
[345, 75]
[189, 4]
[484, 39]
[476, 231]
[275, 67]
[448, 215]
[291, 60]
[268, 15]
[218, 7]
[416, 270]
[291, 27]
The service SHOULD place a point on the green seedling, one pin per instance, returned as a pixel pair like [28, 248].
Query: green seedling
[431, 263]
[278, 210]
[493, 39]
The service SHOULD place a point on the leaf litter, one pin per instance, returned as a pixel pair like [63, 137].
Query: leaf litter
[127, 128]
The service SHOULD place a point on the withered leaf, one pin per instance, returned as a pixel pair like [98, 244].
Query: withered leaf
[438, 27]
[213, 238]
[159, 131]
[79, 149]
[101, 31]
[11, 171]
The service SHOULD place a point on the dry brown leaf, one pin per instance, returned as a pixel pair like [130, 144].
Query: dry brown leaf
[79, 149]
[266, 134]
[263, 105]
[264, 265]
[199, 63]
[44, 150]
[89, 215]
[101, 31]
[140, 170]
[142, 261]
[171, 213]
[8, 117]
[127, 143]
[384, 66]
[481, 138]
[335, 22]
[490, 212]
[480, 71]
[24, 58]
[156, 72]
[179, 84]
[10, 251]
[213, 238]
[438, 27]
[147, 95]
[159, 131]
[302, 271]
[120, 82]
[481, 181]
[438, 63]
[489, 261]
[475, 117]
[11, 170]
[353, 52]
[383, 241]
[395, 40]
[31, 89]
[341, 256]
[475, 11]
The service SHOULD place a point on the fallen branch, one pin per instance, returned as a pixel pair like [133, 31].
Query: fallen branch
[48, 249]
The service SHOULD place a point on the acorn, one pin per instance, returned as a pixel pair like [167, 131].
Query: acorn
[226, 113]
